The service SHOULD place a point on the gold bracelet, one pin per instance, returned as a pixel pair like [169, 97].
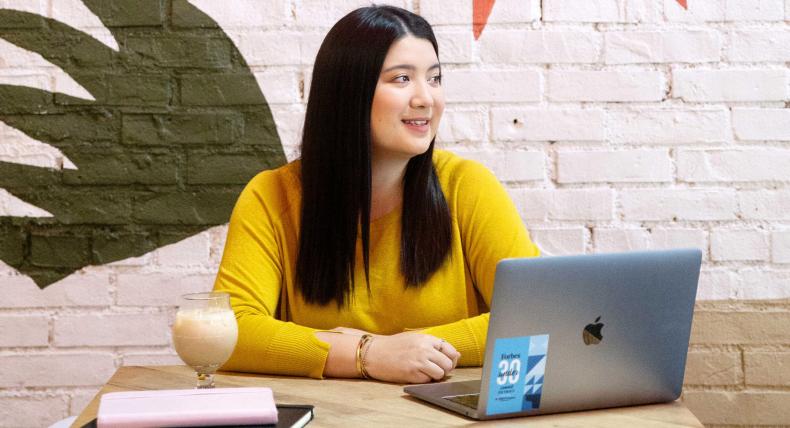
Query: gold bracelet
[365, 356]
[360, 366]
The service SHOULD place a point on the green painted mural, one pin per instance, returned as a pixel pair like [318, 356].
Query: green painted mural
[178, 126]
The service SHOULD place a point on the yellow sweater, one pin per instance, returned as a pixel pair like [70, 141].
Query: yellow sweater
[276, 326]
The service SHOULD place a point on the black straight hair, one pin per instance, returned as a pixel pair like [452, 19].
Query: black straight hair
[336, 163]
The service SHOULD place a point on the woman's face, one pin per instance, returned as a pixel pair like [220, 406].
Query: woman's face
[409, 100]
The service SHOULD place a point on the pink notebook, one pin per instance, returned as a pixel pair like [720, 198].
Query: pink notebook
[187, 407]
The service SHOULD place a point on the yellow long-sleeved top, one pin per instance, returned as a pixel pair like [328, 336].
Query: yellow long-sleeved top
[276, 326]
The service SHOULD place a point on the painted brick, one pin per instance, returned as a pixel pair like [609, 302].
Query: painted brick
[616, 240]
[25, 78]
[193, 251]
[614, 166]
[738, 244]
[538, 124]
[492, 85]
[511, 165]
[219, 235]
[780, 246]
[28, 330]
[630, 47]
[724, 10]
[151, 359]
[161, 288]
[179, 51]
[765, 204]
[756, 10]
[613, 86]
[567, 204]
[289, 121]
[112, 330]
[78, 289]
[441, 12]
[246, 13]
[309, 43]
[742, 327]
[760, 284]
[34, 370]
[455, 46]
[695, 12]
[279, 87]
[739, 408]
[32, 411]
[631, 11]
[320, 13]
[80, 399]
[515, 11]
[758, 46]
[719, 284]
[619, 239]
[678, 204]
[526, 46]
[459, 126]
[15, 57]
[767, 368]
[270, 48]
[39, 7]
[761, 123]
[554, 242]
[713, 368]
[677, 238]
[733, 165]
[729, 85]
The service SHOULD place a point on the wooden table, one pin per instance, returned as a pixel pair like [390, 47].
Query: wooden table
[340, 402]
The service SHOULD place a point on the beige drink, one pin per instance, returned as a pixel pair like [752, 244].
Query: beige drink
[205, 338]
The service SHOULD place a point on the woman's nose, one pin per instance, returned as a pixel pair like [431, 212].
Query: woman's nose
[422, 96]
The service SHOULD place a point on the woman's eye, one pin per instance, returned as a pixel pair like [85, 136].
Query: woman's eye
[402, 79]
[436, 79]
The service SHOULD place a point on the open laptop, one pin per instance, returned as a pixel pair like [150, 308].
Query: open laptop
[580, 332]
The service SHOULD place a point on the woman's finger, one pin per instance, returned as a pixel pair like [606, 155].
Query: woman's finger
[447, 349]
[443, 361]
[433, 370]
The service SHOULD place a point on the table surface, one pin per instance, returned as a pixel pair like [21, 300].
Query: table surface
[354, 402]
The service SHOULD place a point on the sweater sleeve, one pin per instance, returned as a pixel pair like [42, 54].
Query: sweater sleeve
[251, 272]
[491, 230]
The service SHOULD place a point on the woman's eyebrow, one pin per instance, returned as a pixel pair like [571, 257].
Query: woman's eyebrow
[408, 67]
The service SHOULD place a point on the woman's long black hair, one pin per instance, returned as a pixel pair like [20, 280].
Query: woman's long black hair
[336, 163]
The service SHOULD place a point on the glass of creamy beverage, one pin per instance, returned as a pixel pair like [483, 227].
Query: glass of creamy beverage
[205, 333]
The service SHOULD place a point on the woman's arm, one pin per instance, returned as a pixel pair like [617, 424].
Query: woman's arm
[408, 357]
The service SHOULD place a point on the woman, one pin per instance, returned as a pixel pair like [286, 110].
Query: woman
[372, 255]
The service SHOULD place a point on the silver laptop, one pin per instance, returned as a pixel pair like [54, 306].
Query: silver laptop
[581, 332]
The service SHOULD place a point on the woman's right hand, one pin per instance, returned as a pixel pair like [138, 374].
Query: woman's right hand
[410, 358]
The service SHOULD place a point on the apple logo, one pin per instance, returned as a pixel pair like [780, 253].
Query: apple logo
[592, 332]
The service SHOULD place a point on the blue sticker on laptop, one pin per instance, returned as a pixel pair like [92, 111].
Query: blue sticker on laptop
[517, 374]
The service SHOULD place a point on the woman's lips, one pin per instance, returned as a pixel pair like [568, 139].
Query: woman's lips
[418, 126]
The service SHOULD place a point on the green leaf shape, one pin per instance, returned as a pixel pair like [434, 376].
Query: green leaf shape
[178, 126]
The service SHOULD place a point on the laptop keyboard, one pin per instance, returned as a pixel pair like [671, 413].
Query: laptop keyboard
[468, 400]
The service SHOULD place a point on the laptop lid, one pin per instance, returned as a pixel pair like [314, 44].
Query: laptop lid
[586, 332]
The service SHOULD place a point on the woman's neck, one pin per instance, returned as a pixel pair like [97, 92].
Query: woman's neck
[386, 186]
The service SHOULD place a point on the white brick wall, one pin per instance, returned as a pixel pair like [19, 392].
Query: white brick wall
[616, 125]
[614, 166]
[631, 47]
[537, 124]
[612, 86]
[730, 85]
[761, 124]
[739, 244]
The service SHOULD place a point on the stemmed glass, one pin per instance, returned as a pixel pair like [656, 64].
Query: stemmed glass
[205, 333]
